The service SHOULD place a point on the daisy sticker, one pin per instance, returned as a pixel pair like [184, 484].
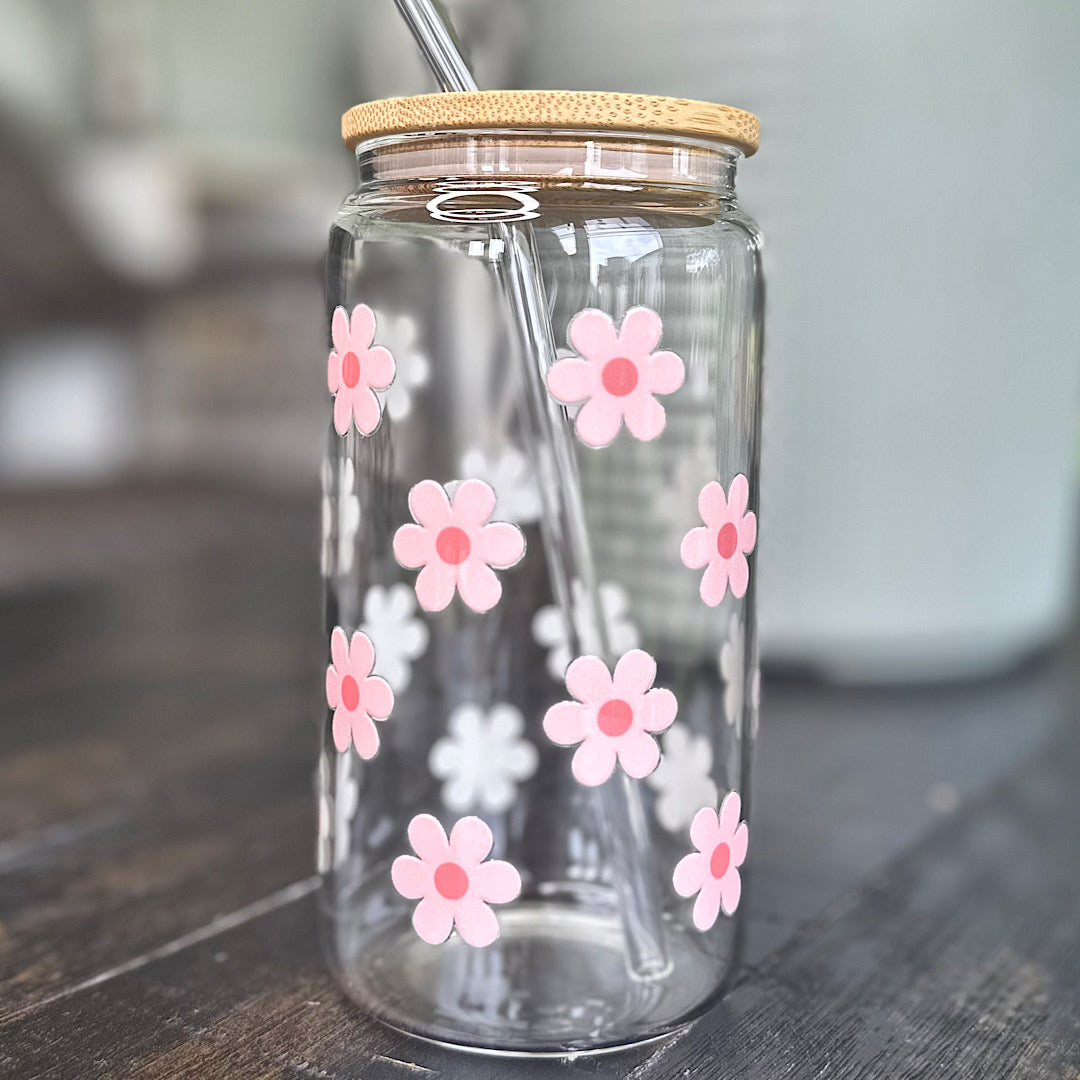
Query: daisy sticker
[549, 625]
[682, 781]
[483, 759]
[452, 880]
[357, 697]
[713, 870]
[398, 636]
[723, 542]
[614, 717]
[736, 680]
[455, 546]
[356, 369]
[617, 374]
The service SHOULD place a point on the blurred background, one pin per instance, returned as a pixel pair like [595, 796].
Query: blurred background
[168, 173]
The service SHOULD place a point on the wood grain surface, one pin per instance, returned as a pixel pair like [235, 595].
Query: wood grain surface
[914, 901]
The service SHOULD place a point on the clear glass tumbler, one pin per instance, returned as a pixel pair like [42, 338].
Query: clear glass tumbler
[544, 316]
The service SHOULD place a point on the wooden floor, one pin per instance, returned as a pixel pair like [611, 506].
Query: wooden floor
[913, 900]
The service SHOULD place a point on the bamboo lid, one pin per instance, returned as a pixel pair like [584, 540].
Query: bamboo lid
[556, 109]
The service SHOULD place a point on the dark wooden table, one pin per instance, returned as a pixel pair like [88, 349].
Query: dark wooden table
[914, 899]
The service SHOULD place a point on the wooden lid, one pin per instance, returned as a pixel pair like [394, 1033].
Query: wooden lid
[559, 110]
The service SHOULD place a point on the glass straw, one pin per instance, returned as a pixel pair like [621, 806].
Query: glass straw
[566, 537]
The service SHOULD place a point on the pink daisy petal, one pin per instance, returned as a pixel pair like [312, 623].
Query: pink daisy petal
[638, 754]
[705, 830]
[748, 532]
[594, 760]
[730, 891]
[565, 724]
[365, 736]
[739, 843]
[414, 546]
[645, 417]
[430, 505]
[377, 697]
[361, 655]
[497, 882]
[730, 813]
[714, 582]
[477, 583]
[342, 413]
[588, 679]
[712, 504]
[361, 327]
[333, 687]
[428, 839]
[473, 503]
[690, 873]
[476, 923]
[339, 330]
[658, 710]
[433, 919]
[470, 841]
[367, 412]
[339, 648]
[333, 372]
[634, 673]
[639, 332]
[571, 380]
[435, 586]
[378, 368]
[696, 546]
[412, 877]
[738, 574]
[738, 495]
[707, 906]
[592, 334]
[598, 421]
[664, 373]
[342, 729]
[499, 544]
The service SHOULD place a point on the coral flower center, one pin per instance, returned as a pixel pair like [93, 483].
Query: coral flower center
[619, 376]
[720, 861]
[727, 540]
[452, 545]
[615, 717]
[350, 369]
[350, 693]
[451, 881]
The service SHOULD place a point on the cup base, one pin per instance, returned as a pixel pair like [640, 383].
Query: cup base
[554, 982]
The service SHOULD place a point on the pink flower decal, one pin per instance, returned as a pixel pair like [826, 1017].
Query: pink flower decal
[356, 369]
[713, 870]
[613, 717]
[618, 375]
[357, 697]
[455, 546]
[453, 882]
[723, 542]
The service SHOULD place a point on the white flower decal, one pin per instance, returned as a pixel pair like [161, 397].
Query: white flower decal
[483, 759]
[399, 638]
[413, 369]
[549, 627]
[682, 779]
[733, 670]
[333, 848]
[344, 500]
[516, 494]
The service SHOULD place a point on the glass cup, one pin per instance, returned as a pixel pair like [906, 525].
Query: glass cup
[542, 682]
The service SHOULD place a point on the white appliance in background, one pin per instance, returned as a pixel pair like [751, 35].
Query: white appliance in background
[67, 408]
[917, 189]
